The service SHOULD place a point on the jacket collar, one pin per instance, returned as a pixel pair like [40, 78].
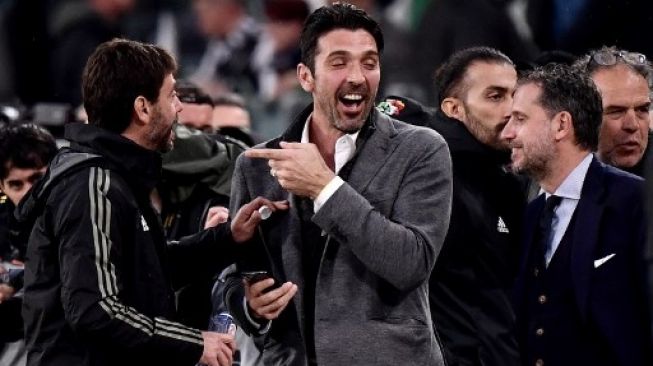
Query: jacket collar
[141, 167]
[294, 131]
[460, 140]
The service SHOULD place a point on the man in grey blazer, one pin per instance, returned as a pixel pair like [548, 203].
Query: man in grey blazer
[370, 200]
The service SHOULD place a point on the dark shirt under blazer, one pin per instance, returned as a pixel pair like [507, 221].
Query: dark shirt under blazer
[385, 228]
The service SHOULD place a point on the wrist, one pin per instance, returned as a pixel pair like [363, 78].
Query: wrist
[322, 183]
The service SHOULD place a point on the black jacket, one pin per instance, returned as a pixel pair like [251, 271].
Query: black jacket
[473, 277]
[13, 241]
[99, 275]
[471, 282]
[12, 247]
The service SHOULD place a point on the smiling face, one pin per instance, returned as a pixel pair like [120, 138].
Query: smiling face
[529, 134]
[346, 79]
[624, 130]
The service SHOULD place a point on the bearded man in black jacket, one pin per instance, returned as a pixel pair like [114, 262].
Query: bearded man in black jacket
[99, 275]
[471, 282]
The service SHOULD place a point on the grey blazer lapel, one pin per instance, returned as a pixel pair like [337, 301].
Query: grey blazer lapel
[373, 153]
[291, 255]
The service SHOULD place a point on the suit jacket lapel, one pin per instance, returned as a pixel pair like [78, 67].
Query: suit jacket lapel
[373, 153]
[586, 234]
[291, 254]
[369, 159]
[288, 229]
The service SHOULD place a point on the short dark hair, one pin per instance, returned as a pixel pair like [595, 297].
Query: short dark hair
[25, 146]
[449, 77]
[565, 88]
[588, 64]
[339, 15]
[117, 73]
[189, 92]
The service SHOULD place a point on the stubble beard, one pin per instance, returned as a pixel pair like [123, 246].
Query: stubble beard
[487, 136]
[349, 126]
[160, 136]
[338, 122]
[537, 159]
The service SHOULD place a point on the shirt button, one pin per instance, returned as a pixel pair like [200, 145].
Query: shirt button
[541, 299]
[539, 332]
[539, 362]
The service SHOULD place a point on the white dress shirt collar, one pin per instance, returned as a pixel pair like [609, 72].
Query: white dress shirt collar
[572, 186]
[345, 145]
[570, 191]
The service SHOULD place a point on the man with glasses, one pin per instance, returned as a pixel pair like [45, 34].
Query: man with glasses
[622, 77]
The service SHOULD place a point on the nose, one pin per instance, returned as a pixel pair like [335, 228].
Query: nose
[178, 106]
[630, 123]
[506, 107]
[355, 74]
[508, 132]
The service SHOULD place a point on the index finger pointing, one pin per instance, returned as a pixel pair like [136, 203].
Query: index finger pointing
[265, 153]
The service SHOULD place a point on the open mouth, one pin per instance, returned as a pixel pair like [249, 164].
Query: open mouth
[352, 102]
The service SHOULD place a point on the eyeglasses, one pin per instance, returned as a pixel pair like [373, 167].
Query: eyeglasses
[609, 58]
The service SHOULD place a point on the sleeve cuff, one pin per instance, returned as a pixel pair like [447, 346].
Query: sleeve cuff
[327, 192]
[262, 328]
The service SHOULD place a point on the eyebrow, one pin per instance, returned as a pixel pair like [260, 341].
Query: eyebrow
[339, 53]
[615, 107]
[496, 88]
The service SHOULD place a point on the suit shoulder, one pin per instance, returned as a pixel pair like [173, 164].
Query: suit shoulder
[417, 134]
[619, 177]
[622, 186]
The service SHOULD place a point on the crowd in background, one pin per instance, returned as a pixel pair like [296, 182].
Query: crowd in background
[251, 47]
[238, 85]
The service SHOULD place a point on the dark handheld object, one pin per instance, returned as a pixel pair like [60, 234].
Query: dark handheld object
[253, 277]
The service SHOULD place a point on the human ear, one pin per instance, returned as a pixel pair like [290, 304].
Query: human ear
[562, 125]
[142, 109]
[452, 107]
[305, 77]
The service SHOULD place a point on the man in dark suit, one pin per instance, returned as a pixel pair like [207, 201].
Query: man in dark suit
[580, 296]
[370, 200]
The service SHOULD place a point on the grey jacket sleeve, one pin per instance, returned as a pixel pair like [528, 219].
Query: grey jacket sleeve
[400, 245]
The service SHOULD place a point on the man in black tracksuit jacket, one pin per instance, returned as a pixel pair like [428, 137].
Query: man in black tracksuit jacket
[99, 275]
[471, 282]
